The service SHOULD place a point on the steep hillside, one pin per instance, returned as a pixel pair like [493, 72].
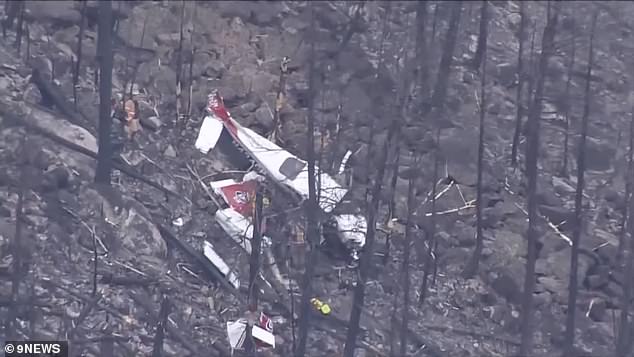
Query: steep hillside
[72, 233]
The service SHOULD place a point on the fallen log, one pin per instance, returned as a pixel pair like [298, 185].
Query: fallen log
[117, 162]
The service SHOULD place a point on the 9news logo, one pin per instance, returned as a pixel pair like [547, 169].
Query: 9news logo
[36, 348]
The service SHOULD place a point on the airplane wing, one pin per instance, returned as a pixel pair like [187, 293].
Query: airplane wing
[209, 134]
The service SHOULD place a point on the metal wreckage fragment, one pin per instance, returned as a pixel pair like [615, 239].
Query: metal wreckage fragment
[269, 164]
[282, 168]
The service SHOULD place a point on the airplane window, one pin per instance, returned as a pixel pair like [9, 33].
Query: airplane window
[291, 167]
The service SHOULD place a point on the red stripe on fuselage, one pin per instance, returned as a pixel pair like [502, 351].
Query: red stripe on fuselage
[217, 106]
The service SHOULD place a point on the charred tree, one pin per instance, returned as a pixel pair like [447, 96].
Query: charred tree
[548, 44]
[421, 53]
[444, 69]
[159, 334]
[254, 271]
[254, 261]
[20, 27]
[365, 262]
[476, 62]
[190, 81]
[531, 81]
[431, 230]
[80, 41]
[18, 269]
[520, 84]
[472, 266]
[280, 100]
[573, 284]
[626, 247]
[434, 24]
[392, 204]
[312, 206]
[11, 9]
[409, 232]
[571, 65]
[623, 342]
[629, 177]
[179, 64]
[104, 51]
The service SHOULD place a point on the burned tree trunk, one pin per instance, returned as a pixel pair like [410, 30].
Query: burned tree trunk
[444, 69]
[573, 284]
[431, 230]
[368, 252]
[179, 65]
[434, 23]
[629, 177]
[392, 203]
[571, 65]
[80, 41]
[20, 27]
[190, 81]
[548, 44]
[280, 100]
[159, 334]
[483, 35]
[520, 84]
[623, 341]
[472, 267]
[421, 54]
[256, 244]
[11, 9]
[254, 271]
[18, 271]
[411, 213]
[312, 206]
[104, 44]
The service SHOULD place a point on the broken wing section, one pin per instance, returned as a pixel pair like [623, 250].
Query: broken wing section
[209, 134]
[218, 262]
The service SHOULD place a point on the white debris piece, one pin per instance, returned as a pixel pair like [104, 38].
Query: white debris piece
[217, 186]
[219, 263]
[238, 227]
[352, 229]
[237, 331]
[253, 176]
[209, 134]
[344, 161]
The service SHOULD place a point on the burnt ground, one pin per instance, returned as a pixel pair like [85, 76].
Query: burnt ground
[238, 49]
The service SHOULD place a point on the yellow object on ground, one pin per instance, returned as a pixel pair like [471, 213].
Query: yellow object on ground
[321, 306]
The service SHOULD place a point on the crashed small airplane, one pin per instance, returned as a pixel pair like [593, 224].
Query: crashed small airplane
[278, 165]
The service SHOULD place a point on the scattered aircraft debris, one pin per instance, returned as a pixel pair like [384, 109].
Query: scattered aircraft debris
[218, 262]
[262, 332]
[281, 168]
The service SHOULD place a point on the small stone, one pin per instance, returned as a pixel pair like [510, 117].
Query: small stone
[152, 122]
[170, 151]
[264, 117]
